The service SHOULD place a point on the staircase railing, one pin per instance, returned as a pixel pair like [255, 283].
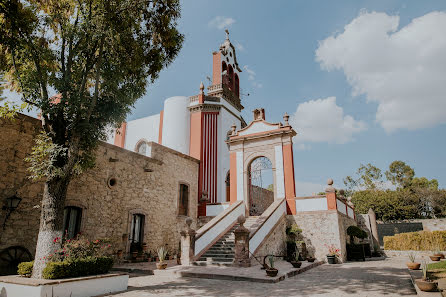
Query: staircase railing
[266, 223]
[217, 227]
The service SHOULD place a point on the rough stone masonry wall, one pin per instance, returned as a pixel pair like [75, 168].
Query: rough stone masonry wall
[275, 243]
[322, 228]
[262, 199]
[107, 210]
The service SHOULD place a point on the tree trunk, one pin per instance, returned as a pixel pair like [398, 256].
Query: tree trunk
[51, 222]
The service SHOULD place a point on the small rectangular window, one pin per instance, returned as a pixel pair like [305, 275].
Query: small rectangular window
[72, 221]
[184, 200]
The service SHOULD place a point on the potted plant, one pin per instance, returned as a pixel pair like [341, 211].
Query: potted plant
[134, 255]
[295, 262]
[271, 271]
[435, 258]
[292, 233]
[425, 284]
[439, 254]
[145, 246]
[333, 252]
[412, 265]
[119, 254]
[311, 259]
[162, 253]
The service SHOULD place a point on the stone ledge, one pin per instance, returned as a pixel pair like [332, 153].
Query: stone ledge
[250, 274]
[20, 280]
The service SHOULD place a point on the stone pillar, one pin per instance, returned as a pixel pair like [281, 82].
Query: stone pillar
[373, 227]
[188, 244]
[330, 193]
[241, 258]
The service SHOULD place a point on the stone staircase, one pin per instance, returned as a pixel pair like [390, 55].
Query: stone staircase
[222, 252]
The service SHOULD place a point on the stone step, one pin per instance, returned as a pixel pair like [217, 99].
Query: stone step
[218, 255]
[222, 249]
[205, 263]
[212, 260]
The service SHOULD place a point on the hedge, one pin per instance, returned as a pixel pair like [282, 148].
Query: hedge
[77, 267]
[416, 241]
[25, 268]
[72, 268]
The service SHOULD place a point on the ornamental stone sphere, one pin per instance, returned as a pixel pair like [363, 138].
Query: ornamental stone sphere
[330, 181]
[188, 222]
[241, 219]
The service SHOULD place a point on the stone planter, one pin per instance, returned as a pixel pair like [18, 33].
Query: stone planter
[426, 286]
[331, 259]
[413, 266]
[296, 264]
[161, 265]
[104, 284]
[435, 258]
[272, 272]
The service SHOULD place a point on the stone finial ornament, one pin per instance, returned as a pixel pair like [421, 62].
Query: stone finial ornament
[233, 128]
[201, 88]
[227, 34]
[330, 188]
[286, 117]
[188, 222]
[241, 220]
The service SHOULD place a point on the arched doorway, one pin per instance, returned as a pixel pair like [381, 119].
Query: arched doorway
[261, 185]
[228, 186]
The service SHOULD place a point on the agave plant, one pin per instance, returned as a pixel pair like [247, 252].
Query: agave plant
[296, 256]
[271, 261]
[412, 257]
[424, 267]
[162, 253]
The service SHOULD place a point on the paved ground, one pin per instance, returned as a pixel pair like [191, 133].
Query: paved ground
[375, 278]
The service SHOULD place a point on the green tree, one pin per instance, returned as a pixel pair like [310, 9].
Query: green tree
[367, 177]
[99, 56]
[400, 174]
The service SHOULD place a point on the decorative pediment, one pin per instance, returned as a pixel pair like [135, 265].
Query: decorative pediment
[258, 126]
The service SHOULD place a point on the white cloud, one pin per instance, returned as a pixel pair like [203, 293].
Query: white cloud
[221, 22]
[239, 46]
[403, 70]
[252, 77]
[322, 120]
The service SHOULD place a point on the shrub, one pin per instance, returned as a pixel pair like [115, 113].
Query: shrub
[25, 268]
[416, 241]
[356, 232]
[79, 248]
[77, 267]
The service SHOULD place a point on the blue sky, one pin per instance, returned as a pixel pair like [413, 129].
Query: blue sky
[363, 81]
[278, 40]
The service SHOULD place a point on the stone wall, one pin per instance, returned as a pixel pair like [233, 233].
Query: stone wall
[145, 185]
[261, 200]
[322, 228]
[275, 244]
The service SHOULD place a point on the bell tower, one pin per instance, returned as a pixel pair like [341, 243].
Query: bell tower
[226, 74]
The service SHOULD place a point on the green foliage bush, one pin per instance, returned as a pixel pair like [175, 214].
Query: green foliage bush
[357, 232]
[416, 241]
[25, 268]
[77, 267]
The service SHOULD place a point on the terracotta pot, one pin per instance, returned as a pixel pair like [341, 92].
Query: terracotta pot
[296, 264]
[144, 246]
[161, 265]
[426, 286]
[272, 272]
[119, 254]
[439, 255]
[413, 266]
[311, 259]
[134, 255]
[435, 258]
